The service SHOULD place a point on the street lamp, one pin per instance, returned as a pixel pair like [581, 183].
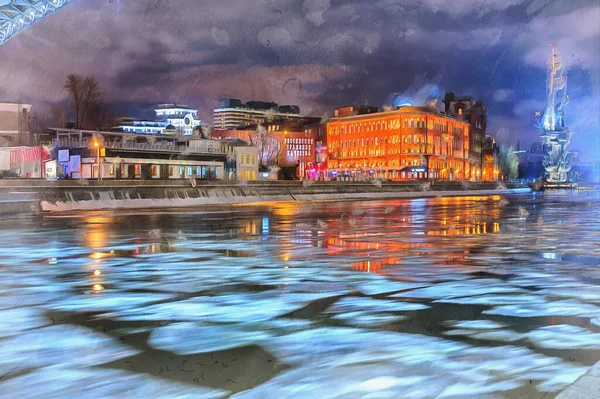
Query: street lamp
[97, 145]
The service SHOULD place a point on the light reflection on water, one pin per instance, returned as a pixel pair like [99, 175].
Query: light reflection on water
[446, 296]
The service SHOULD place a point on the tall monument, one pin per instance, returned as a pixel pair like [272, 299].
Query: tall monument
[555, 136]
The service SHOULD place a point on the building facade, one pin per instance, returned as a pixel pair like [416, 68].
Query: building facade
[231, 113]
[14, 124]
[407, 143]
[171, 119]
[242, 160]
[83, 154]
[318, 166]
[475, 113]
[26, 162]
[491, 169]
[288, 146]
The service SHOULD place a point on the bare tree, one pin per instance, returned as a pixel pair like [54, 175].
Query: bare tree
[38, 124]
[84, 91]
[57, 115]
[268, 146]
[101, 115]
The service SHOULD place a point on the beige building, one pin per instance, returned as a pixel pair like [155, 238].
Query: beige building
[242, 160]
[14, 124]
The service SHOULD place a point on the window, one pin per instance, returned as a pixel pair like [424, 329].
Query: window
[155, 171]
[138, 170]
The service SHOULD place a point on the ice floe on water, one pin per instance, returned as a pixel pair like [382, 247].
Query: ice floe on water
[64, 382]
[564, 336]
[475, 324]
[490, 300]
[358, 304]
[378, 287]
[508, 336]
[586, 293]
[190, 338]
[464, 288]
[15, 321]
[387, 380]
[453, 365]
[284, 325]
[367, 319]
[569, 307]
[61, 344]
[106, 301]
[233, 308]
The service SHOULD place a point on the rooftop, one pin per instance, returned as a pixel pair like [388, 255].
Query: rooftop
[399, 110]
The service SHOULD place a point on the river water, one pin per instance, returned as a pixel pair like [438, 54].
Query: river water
[469, 297]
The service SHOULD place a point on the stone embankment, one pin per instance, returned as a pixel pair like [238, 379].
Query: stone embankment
[33, 196]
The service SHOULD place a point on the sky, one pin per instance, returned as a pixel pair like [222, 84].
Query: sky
[317, 54]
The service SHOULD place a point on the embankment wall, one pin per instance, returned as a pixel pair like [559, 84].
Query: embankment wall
[68, 196]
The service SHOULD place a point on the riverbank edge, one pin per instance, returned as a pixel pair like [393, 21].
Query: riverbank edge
[585, 387]
[24, 197]
[191, 203]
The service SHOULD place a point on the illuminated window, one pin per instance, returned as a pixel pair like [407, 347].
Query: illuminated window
[138, 170]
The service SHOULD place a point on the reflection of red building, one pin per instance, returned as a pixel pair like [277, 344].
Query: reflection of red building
[404, 144]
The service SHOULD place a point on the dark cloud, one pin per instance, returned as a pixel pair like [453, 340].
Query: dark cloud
[315, 53]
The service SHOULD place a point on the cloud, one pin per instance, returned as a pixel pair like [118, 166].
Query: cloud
[314, 9]
[575, 34]
[274, 37]
[463, 8]
[221, 36]
[502, 95]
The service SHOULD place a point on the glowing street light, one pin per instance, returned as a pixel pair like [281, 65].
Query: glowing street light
[97, 145]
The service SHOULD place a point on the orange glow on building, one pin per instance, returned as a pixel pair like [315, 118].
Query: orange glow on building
[409, 143]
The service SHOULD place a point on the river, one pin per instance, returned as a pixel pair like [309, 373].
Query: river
[468, 297]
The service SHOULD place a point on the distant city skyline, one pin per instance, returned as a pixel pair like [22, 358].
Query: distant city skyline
[317, 54]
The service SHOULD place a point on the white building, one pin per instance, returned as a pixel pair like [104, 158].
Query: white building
[171, 119]
[231, 113]
[139, 126]
[14, 124]
[242, 160]
[182, 117]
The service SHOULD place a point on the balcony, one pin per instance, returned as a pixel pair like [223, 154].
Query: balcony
[191, 148]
